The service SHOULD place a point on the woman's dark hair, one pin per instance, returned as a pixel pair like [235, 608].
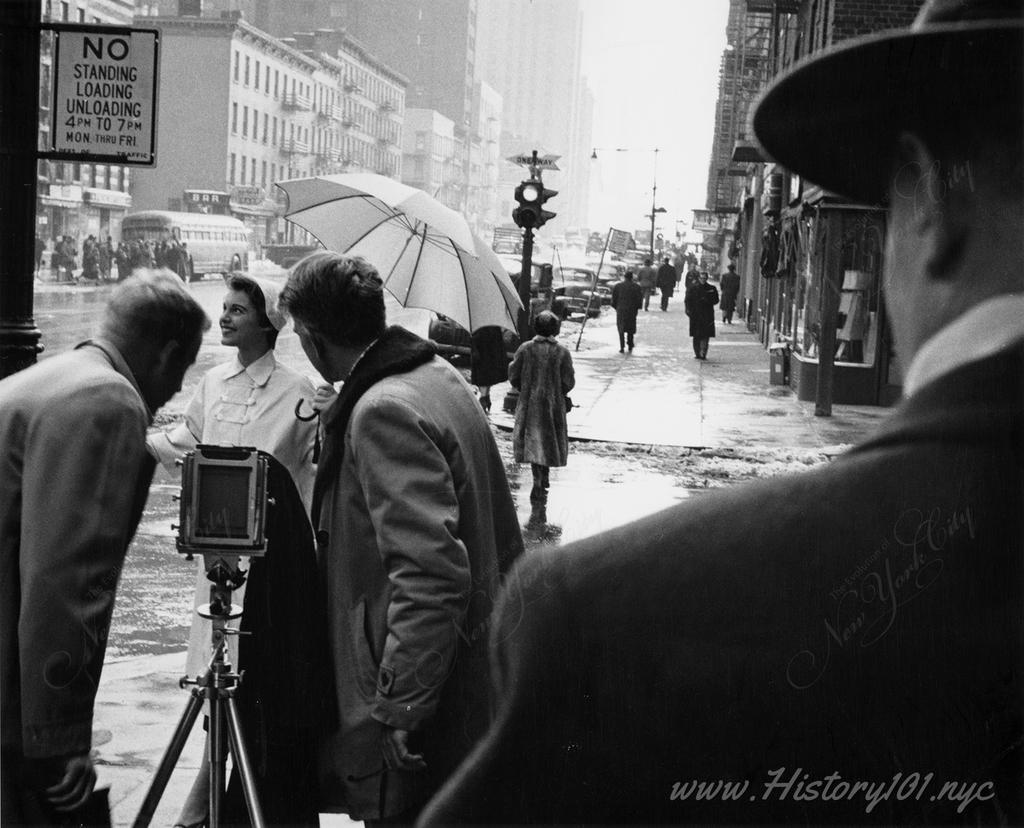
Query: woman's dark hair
[248, 286]
[340, 298]
[547, 323]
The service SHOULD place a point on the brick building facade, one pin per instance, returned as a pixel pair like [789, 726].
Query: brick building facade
[810, 261]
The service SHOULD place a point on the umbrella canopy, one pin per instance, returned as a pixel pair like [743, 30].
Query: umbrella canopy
[424, 251]
[473, 290]
[343, 209]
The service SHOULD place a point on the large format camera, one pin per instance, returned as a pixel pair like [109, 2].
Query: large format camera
[223, 501]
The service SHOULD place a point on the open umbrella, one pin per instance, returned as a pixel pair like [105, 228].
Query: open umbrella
[424, 251]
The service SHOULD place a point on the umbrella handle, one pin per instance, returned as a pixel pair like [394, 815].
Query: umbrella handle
[304, 417]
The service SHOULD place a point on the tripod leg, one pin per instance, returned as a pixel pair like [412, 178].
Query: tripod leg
[245, 773]
[218, 758]
[170, 759]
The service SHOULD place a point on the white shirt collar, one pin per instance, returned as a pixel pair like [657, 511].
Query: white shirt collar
[259, 371]
[984, 330]
[360, 357]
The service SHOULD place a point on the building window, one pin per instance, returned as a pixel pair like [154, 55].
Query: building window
[81, 15]
[245, 79]
[234, 118]
[256, 79]
[266, 84]
[266, 127]
[245, 122]
[252, 177]
[241, 171]
[263, 174]
[231, 171]
[273, 135]
[236, 67]
[65, 10]
[277, 77]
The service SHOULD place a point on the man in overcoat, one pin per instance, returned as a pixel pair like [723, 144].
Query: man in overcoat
[841, 646]
[646, 278]
[666, 282]
[627, 296]
[415, 528]
[74, 476]
[730, 290]
[700, 302]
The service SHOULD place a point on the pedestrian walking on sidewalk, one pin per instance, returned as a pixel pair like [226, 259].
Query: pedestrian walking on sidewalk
[858, 621]
[488, 362]
[543, 374]
[647, 278]
[666, 282]
[691, 278]
[700, 304]
[75, 479]
[626, 298]
[730, 290]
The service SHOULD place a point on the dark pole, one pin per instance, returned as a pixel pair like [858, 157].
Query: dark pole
[831, 283]
[652, 231]
[654, 200]
[19, 134]
[525, 277]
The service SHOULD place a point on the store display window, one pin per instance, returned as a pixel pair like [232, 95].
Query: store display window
[860, 237]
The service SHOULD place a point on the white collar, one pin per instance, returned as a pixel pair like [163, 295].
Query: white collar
[360, 357]
[984, 330]
[259, 370]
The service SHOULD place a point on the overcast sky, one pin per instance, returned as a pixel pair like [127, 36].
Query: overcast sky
[653, 68]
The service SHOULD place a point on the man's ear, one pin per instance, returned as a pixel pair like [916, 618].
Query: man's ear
[170, 356]
[940, 204]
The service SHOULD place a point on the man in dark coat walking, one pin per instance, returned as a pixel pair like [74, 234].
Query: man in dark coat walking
[666, 282]
[627, 296]
[730, 290]
[700, 307]
[842, 646]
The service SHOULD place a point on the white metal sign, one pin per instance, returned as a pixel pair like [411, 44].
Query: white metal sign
[544, 162]
[105, 94]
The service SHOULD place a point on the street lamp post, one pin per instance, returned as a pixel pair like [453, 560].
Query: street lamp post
[654, 183]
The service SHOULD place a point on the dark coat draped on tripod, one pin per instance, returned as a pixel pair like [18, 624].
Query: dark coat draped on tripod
[283, 700]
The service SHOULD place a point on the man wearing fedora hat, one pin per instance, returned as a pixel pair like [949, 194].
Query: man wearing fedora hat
[844, 645]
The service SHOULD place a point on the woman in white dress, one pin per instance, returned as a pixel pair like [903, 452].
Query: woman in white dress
[248, 401]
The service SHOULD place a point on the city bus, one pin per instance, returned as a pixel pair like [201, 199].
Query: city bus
[217, 244]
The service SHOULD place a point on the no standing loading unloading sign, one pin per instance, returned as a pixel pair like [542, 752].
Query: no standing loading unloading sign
[104, 94]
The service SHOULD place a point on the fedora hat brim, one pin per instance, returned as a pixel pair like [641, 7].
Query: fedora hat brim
[834, 118]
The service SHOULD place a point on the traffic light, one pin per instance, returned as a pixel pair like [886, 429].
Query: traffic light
[531, 196]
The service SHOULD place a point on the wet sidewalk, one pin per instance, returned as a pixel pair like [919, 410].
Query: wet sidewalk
[661, 394]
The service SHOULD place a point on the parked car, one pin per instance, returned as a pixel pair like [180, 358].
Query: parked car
[575, 293]
[286, 255]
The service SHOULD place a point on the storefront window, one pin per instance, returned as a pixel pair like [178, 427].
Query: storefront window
[858, 318]
[859, 236]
